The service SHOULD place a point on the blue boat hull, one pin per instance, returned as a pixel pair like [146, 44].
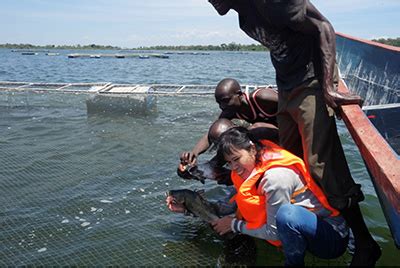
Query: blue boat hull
[372, 71]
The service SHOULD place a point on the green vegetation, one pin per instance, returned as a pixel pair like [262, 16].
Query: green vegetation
[389, 41]
[29, 46]
[222, 47]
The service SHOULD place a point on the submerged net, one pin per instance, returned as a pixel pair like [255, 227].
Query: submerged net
[89, 189]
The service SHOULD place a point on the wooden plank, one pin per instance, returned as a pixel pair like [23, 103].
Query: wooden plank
[381, 160]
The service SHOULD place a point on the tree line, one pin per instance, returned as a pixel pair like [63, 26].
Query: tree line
[30, 46]
[389, 41]
[222, 47]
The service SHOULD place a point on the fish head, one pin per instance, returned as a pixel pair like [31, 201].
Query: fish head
[196, 174]
[178, 196]
[194, 202]
[186, 198]
[191, 172]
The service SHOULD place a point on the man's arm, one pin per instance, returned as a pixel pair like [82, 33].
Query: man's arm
[202, 145]
[190, 158]
[316, 24]
[304, 17]
[267, 94]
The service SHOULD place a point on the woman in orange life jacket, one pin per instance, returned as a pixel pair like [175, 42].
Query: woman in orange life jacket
[278, 200]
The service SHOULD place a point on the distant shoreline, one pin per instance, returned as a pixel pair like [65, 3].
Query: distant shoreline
[223, 47]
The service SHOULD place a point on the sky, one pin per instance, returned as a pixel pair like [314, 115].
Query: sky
[135, 23]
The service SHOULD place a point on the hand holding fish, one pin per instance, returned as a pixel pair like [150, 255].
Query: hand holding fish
[188, 158]
[222, 225]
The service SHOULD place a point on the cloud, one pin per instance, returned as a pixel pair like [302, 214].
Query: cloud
[186, 37]
[138, 23]
[347, 6]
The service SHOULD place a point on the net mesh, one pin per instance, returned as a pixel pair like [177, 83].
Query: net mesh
[87, 190]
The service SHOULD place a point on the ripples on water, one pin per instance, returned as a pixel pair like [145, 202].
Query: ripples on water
[89, 189]
[182, 69]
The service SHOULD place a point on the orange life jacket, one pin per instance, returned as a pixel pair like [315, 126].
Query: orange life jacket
[251, 205]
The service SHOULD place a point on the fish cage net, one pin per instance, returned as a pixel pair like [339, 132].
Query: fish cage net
[79, 189]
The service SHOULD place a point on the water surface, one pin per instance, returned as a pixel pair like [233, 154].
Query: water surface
[89, 189]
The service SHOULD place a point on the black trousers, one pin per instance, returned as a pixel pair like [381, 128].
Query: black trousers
[307, 128]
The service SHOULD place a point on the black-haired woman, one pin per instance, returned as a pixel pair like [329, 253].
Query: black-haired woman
[279, 201]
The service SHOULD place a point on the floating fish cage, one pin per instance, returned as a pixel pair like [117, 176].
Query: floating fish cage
[121, 104]
[117, 98]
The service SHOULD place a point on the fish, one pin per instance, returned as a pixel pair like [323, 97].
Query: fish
[197, 205]
[206, 170]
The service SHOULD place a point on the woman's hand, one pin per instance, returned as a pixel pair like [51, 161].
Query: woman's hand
[222, 225]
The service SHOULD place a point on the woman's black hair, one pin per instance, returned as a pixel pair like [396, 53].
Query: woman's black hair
[238, 138]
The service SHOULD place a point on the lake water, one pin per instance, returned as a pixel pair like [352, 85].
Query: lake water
[89, 189]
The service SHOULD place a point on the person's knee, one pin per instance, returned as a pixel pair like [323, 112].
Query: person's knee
[287, 215]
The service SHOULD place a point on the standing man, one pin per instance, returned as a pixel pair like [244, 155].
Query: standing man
[302, 49]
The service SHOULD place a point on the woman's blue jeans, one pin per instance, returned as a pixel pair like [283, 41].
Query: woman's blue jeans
[300, 229]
